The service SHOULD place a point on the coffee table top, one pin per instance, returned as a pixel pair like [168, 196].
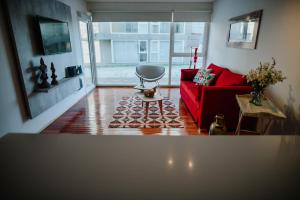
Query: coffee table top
[157, 97]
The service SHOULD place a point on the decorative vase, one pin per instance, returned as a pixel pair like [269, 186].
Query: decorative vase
[150, 93]
[218, 126]
[257, 97]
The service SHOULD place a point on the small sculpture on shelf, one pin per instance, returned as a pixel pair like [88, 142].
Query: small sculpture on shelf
[44, 77]
[53, 75]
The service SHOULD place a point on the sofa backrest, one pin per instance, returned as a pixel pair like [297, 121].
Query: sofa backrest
[217, 70]
[225, 77]
[229, 78]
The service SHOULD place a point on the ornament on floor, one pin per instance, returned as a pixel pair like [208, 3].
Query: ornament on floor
[43, 77]
[53, 75]
[218, 126]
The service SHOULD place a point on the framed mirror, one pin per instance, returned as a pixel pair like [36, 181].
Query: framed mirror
[243, 30]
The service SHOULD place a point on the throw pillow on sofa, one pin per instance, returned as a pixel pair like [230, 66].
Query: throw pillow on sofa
[229, 78]
[204, 77]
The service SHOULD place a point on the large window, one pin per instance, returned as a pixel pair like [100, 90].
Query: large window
[121, 46]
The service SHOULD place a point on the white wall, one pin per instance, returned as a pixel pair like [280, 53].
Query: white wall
[279, 37]
[12, 108]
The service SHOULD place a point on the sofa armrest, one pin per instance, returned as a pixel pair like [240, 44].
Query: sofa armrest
[220, 100]
[188, 74]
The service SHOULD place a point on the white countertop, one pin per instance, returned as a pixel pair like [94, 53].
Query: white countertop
[149, 167]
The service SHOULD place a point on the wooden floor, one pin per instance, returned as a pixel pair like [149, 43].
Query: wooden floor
[92, 114]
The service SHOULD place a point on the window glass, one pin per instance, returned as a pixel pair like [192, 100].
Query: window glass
[143, 27]
[179, 27]
[191, 37]
[121, 46]
[143, 46]
[97, 51]
[155, 27]
[95, 28]
[124, 27]
[143, 57]
[165, 27]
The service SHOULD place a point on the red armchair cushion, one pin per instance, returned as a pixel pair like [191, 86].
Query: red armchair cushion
[228, 78]
[193, 90]
[217, 70]
[188, 74]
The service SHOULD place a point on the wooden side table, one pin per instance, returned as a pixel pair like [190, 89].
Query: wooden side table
[266, 111]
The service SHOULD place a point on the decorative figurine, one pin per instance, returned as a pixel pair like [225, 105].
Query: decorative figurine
[53, 75]
[195, 57]
[218, 127]
[43, 68]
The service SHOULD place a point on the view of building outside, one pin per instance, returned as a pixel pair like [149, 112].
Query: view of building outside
[121, 46]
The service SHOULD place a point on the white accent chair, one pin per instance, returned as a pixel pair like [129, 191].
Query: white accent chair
[149, 73]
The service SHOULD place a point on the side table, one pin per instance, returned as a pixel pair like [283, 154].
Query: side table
[266, 111]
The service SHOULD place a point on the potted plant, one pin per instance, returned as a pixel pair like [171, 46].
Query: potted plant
[262, 77]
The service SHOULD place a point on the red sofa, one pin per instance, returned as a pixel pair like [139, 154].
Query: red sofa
[204, 102]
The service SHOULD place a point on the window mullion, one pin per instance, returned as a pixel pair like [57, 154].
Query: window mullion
[171, 51]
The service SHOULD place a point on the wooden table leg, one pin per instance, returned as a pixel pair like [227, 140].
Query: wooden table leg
[146, 113]
[238, 128]
[161, 108]
[268, 125]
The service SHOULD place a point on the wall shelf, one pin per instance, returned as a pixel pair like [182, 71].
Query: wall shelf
[60, 82]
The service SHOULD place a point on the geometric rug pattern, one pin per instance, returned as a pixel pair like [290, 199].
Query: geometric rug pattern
[130, 114]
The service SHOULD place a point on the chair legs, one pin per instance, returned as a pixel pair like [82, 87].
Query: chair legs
[157, 87]
[142, 82]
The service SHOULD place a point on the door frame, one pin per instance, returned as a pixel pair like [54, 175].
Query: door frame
[86, 18]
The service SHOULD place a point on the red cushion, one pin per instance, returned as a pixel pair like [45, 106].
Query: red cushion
[217, 70]
[192, 89]
[228, 78]
[188, 74]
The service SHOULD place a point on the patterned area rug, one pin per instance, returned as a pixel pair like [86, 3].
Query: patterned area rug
[130, 114]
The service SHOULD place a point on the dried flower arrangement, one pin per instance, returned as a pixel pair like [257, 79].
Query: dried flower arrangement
[262, 77]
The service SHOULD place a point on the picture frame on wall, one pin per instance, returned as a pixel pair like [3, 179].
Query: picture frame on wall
[243, 30]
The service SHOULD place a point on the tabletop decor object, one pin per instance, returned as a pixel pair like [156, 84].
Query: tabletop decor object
[150, 92]
[262, 77]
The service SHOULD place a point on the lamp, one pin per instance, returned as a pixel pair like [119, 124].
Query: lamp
[193, 41]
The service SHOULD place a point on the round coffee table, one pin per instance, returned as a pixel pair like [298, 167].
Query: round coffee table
[157, 97]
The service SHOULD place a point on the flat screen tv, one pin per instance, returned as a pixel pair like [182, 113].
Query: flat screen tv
[55, 36]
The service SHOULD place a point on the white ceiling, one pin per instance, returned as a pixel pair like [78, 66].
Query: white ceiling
[154, 1]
